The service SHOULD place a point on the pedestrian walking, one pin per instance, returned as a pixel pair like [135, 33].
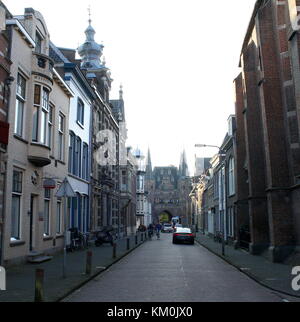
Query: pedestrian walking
[158, 229]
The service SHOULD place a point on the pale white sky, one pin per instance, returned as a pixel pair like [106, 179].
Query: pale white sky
[175, 58]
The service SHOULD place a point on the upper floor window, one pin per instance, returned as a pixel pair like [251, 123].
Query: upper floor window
[61, 137]
[71, 152]
[38, 43]
[85, 162]
[231, 177]
[80, 112]
[20, 102]
[42, 116]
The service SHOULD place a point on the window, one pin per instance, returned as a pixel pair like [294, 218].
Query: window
[71, 152]
[45, 115]
[58, 218]
[47, 212]
[61, 137]
[38, 43]
[50, 125]
[20, 101]
[16, 204]
[80, 112]
[85, 162]
[77, 169]
[42, 116]
[231, 177]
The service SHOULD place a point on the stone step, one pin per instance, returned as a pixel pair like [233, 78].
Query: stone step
[39, 259]
[35, 254]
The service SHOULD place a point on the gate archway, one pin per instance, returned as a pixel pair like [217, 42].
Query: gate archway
[165, 216]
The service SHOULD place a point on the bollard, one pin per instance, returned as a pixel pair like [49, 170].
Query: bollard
[136, 239]
[39, 285]
[114, 250]
[88, 269]
[128, 244]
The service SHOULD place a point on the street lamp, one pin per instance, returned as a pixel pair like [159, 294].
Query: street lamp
[221, 153]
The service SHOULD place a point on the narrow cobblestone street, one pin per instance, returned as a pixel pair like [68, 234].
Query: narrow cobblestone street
[159, 271]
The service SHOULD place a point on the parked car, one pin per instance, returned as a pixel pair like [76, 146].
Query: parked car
[183, 235]
[167, 228]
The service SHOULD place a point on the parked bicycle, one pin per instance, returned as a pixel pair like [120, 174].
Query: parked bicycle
[218, 237]
[78, 240]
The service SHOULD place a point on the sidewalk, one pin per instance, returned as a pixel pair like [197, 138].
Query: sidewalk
[21, 280]
[275, 276]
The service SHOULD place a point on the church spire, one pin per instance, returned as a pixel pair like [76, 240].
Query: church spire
[89, 10]
[149, 166]
[183, 167]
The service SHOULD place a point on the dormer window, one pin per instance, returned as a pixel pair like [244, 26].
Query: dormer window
[38, 43]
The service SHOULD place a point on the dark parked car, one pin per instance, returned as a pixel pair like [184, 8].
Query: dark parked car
[183, 235]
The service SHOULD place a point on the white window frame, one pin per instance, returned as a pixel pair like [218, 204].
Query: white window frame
[61, 137]
[20, 105]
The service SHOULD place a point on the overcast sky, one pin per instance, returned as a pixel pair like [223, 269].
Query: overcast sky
[176, 59]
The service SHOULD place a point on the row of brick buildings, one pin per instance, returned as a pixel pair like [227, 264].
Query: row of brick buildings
[57, 122]
[252, 190]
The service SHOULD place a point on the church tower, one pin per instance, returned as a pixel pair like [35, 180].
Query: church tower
[93, 64]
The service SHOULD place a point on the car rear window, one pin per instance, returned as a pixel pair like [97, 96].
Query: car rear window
[184, 231]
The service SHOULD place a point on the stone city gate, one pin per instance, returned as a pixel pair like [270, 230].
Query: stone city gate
[171, 211]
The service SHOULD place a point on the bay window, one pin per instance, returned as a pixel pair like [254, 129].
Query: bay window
[42, 116]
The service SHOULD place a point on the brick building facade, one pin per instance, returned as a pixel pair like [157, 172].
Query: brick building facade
[267, 145]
